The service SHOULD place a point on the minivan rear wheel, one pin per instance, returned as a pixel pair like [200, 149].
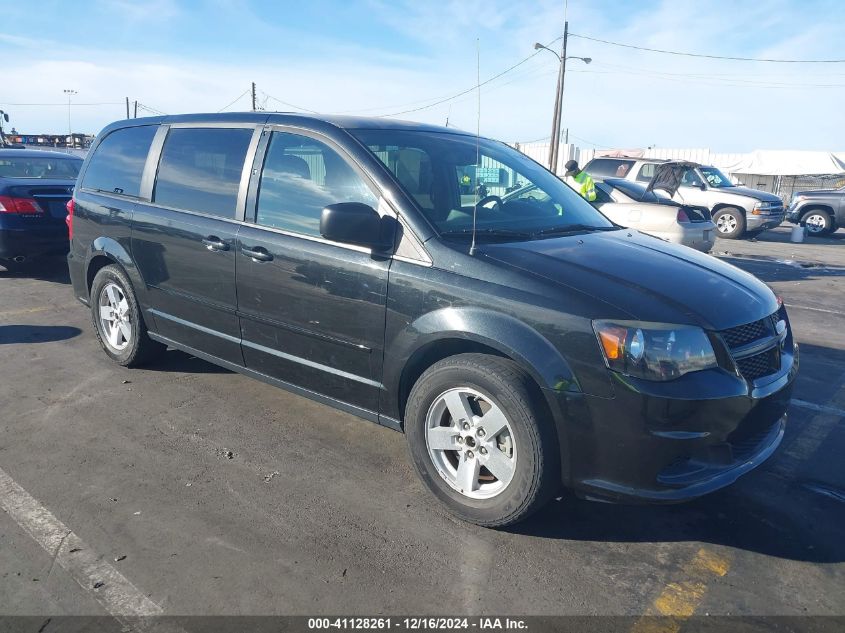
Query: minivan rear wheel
[730, 223]
[479, 441]
[117, 319]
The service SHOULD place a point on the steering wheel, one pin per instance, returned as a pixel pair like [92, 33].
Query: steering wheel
[490, 198]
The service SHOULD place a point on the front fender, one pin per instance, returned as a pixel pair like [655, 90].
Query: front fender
[501, 332]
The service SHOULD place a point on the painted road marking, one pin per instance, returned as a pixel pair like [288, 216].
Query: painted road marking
[821, 408]
[13, 313]
[812, 436]
[116, 595]
[797, 307]
[679, 600]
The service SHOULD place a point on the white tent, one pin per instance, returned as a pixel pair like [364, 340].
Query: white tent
[785, 163]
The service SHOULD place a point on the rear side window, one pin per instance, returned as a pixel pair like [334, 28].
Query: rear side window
[646, 172]
[118, 161]
[608, 167]
[200, 169]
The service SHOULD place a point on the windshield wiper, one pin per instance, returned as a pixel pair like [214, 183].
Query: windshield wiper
[573, 228]
[486, 232]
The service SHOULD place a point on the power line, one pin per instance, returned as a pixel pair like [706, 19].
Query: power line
[290, 105]
[468, 90]
[724, 57]
[236, 99]
[152, 110]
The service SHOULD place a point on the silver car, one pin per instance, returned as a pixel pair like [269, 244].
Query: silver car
[630, 204]
[735, 210]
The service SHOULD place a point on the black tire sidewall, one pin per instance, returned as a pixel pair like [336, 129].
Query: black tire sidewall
[130, 353]
[740, 223]
[522, 495]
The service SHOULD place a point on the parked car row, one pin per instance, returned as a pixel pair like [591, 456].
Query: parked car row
[736, 211]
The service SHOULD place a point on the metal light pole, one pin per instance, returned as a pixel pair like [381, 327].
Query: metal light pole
[558, 110]
[69, 92]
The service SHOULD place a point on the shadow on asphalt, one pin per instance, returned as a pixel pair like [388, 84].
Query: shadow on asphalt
[769, 269]
[46, 269]
[10, 334]
[177, 361]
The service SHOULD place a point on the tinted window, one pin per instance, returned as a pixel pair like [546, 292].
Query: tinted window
[608, 167]
[118, 161]
[300, 177]
[200, 169]
[646, 172]
[39, 167]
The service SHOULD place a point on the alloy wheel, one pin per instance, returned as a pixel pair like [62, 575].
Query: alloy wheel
[816, 223]
[115, 320]
[471, 443]
[726, 223]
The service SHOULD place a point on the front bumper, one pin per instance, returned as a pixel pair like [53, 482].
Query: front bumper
[674, 441]
[39, 240]
[763, 222]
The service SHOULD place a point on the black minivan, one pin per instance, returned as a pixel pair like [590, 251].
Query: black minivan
[522, 342]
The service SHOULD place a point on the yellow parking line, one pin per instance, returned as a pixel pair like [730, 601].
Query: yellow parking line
[13, 313]
[679, 599]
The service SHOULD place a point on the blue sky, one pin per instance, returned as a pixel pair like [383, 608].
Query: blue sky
[377, 57]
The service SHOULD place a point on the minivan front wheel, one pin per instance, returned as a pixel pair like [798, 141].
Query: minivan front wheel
[479, 442]
[730, 223]
[117, 319]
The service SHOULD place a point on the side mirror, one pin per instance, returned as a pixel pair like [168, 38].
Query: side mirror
[703, 187]
[357, 223]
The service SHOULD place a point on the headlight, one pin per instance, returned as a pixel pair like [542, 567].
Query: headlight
[654, 351]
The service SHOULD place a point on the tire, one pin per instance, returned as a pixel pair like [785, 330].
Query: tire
[730, 223]
[123, 338]
[818, 222]
[523, 456]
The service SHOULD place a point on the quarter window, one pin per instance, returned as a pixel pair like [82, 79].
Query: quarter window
[200, 169]
[301, 176]
[646, 172]
[118, 161]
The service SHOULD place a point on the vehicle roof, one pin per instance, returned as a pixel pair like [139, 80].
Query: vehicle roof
[640, 159]
[37, 153]
[293, 118]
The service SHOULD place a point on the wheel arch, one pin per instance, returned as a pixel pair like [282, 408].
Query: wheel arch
[435, 336]
[726, 205]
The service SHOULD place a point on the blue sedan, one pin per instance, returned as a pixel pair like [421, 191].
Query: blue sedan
[35, 187]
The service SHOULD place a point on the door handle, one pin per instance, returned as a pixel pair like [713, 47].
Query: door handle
[258, 253]
[214, 243]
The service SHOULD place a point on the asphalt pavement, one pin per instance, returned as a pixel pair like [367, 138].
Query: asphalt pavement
[188, 489]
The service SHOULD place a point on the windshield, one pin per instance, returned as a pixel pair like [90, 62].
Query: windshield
[715, 178]
[39, 167]
[446, 174]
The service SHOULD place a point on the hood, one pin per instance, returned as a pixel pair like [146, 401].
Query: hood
[756, 194]
[819, 192]
[643, 277]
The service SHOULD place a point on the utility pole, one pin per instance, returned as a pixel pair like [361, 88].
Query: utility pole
[127, 107]
[555, 141]
[253, 96]
[69, 93]
[136, 109]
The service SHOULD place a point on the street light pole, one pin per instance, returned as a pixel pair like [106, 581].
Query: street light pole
[555, 140]
[554, 144]
[69, 93]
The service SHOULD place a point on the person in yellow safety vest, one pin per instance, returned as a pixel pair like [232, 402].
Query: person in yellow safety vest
[580, 181]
